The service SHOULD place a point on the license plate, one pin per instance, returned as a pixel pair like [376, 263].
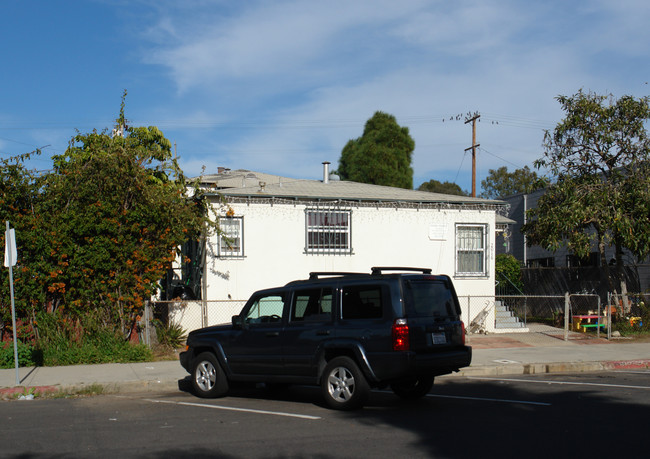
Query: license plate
[438, 338]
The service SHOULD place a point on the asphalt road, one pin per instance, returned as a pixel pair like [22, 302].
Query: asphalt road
[562, 415]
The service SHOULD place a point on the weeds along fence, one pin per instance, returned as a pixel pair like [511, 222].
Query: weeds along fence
[188, 315]
[531, 317]
[631, 305]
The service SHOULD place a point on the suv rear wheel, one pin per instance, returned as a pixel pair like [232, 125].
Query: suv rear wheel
[343, 385]
[413, 388]
[208, 378]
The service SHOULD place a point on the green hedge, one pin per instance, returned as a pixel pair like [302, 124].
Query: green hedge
[27, 355]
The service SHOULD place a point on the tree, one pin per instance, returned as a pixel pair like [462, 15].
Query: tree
[599, 156]
[500, 182]
[435, 186]
[18, 198]
[381, 156]
[104, 226]
[508, 274]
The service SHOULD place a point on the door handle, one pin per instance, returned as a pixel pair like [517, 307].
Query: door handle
[323, 332]
[272, 334]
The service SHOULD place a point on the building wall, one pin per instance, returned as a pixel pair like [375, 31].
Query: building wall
[274, 246]
[532, 256]
[516, 244]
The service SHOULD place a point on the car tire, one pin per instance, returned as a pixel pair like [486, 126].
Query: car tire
[413, 389]
[343, 385]
[208, 378]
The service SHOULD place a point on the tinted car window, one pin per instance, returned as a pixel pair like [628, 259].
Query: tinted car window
[362, 302]
[312, 304]
[426, 298]
[265, 309]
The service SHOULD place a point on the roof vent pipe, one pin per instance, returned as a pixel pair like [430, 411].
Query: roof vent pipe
[326, 172]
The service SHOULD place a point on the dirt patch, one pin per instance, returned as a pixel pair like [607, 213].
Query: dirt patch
[640, 338]
[493, 342]
[162, 353]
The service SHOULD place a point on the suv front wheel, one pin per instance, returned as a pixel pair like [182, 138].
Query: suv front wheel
[343, 385]
[208, 378]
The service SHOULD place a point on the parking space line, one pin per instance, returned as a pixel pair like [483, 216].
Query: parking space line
[482, 399]
[565, 383]
[229, 408]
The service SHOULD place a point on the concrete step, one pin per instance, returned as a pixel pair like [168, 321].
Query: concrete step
[512, 330]
[510, 320]
[509, 325]
[505, 320]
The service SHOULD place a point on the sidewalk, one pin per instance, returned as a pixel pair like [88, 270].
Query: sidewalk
[497, 354]
[533, 353]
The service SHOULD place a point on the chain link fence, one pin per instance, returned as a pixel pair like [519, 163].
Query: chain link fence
[186, 315]
[526, 320]
[540, 319]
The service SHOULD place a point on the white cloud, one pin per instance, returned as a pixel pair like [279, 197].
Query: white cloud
[281, 38]
[306, 76]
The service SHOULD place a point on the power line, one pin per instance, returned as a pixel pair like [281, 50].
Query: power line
[18, 142]
[517, 121]
[460, 167]
[498, 157]
[273, 123]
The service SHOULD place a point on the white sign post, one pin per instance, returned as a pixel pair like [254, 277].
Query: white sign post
[10, 261]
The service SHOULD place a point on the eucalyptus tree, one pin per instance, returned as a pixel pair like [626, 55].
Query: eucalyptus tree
[597, 157]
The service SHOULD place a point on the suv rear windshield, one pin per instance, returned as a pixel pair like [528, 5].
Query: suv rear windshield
[430, 298]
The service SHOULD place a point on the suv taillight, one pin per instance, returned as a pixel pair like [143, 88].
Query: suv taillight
[400, 335]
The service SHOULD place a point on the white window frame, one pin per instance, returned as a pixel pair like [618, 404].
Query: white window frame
[328, 231]
[469, 245]
[232, 232]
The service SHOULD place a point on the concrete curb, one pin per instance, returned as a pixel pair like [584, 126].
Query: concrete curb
[556, 367]
[124, 387]
[7, 393]
[628, 364]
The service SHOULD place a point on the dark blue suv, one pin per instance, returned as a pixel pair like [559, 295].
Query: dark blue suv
[345, 332]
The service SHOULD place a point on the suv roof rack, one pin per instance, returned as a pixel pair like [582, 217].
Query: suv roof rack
[377, 270]
[318, 274]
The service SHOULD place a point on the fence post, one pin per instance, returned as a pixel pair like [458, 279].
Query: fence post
[525, 311]
[608, 308]
[469, 322]
[598, 320]
[566, 316]
[204, 313]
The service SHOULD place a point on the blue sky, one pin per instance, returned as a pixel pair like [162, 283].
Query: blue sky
[281, 86]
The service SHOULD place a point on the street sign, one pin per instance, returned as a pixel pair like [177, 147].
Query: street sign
[10, 248]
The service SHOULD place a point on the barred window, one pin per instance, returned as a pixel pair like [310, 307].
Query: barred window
[328, 231]
[231, 239]
[470, 250]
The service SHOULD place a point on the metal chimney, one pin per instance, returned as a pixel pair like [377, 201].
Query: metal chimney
[326, 172]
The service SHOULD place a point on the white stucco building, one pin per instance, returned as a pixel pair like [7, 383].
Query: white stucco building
[277, 230]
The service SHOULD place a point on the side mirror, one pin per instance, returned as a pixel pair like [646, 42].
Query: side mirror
[238, 322]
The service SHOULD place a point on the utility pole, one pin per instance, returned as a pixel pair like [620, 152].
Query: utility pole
[473, 148]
